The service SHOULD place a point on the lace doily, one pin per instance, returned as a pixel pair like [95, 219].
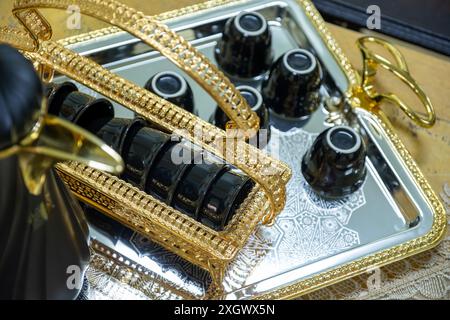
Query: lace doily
[423, 276]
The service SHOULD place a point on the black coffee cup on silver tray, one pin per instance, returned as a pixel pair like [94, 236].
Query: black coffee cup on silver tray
[256, 103]
[245, 50]
[172, 87]
[334, 166]
[291, 91]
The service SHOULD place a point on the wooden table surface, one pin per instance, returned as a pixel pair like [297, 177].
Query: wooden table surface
[429, 147]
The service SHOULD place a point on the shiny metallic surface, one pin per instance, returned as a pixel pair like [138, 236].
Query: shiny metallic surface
[311, 235]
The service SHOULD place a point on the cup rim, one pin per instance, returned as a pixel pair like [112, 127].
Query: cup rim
[178, 93]
[340, 150]
[255, 33]
[259, 99]
[107, 107]
[302, 51]
[56, 93]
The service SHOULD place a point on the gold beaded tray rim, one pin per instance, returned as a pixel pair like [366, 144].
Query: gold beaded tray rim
[110, 191]
[184, 236]
[431, 239]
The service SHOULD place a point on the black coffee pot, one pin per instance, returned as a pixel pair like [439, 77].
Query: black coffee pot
[43, 233]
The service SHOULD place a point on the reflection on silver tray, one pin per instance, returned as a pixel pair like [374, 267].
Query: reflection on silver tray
[311, 235]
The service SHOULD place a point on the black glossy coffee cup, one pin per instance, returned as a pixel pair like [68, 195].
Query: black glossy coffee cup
[143, 149]
[334, 166]
[86, 111]
[172, 87]
[56, 93]
[166, 173]
[192, 189]
[117, 132]
[292, 89]
[245, 50]
[223, 198]
[256, 103]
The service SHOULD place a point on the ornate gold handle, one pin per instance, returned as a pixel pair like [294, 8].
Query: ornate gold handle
[371, 62]
[156, 35]
[272, 175]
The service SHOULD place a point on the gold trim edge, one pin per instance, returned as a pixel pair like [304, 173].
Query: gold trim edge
[426, 242]
[399, 252]
[186, 57]
[384, 257]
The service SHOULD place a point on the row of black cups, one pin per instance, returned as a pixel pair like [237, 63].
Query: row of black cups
[200, 187]
[207, 191]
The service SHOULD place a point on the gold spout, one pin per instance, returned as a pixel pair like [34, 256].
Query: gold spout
[54, 140]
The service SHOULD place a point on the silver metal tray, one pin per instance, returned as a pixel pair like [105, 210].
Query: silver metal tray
[312, 237]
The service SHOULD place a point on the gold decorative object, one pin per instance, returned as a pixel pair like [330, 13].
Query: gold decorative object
[168, 227]
[53, 140]
[371, 62]
[176, 232]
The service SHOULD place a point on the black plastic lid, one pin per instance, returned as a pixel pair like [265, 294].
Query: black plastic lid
[168, 84]
[251, 22]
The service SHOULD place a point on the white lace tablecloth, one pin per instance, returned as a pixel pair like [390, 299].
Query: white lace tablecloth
[423, 276]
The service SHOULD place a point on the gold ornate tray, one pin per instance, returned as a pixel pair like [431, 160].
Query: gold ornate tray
[313, 243]
[170, 228]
